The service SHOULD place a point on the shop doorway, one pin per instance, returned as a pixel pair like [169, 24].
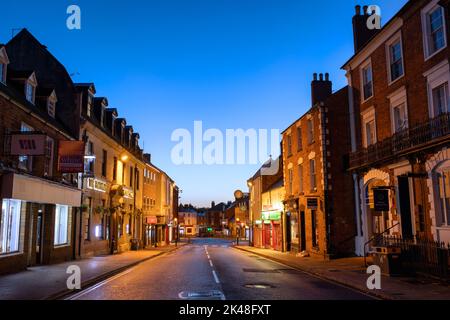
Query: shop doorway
[405, 206]
[288, 231]
[40, 235]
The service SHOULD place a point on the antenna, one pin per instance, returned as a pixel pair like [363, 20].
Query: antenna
[74, 74]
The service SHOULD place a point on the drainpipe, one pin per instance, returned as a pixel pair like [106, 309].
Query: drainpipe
[325, 176]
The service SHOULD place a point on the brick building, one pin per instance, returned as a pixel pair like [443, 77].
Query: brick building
[39, 204]
[151, 200]
[318, 190]
[399, 119]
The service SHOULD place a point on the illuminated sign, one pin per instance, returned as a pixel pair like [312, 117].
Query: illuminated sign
[97, 185]
[71, 156]
[271, 215]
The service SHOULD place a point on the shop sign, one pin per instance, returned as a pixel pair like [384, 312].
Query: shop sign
[258, 222]
[271, 215]
[28, 144]
[97, 185]
[71, 156]
[312, 203]
[151, 220]
[381, 199]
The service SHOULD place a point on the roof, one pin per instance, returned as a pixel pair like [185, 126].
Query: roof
[19, 74]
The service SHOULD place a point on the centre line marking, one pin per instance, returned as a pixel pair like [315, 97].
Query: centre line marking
[210, 263]
[216, 278]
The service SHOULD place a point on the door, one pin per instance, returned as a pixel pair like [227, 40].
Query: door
[288, 231]
[302, 232]
[39, 235]
[405, 206]
[267, 235]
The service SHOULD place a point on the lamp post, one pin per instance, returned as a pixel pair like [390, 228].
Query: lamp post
[176, 230]
[237, 231]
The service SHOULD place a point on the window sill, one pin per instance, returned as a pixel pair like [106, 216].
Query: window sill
[366, 100]
[434, 53]
[10, 254]
[396, 80]
[59, 246]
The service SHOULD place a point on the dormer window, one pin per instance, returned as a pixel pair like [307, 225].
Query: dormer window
[2, 73]
[3, 64]
[30, 88]
[89, 105]
[51, 105]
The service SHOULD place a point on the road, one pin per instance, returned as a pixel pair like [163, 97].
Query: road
[212, 269]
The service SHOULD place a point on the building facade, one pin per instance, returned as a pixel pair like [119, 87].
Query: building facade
[399, 119]
[319, 194]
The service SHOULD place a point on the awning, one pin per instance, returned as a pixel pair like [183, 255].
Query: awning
[33, 189]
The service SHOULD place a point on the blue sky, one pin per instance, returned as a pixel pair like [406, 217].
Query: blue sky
[166, 63]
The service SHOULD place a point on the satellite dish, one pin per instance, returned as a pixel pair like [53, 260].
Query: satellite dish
[238, 194]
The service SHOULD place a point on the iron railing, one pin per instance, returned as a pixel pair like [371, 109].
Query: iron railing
[421, 256]
[403, 141]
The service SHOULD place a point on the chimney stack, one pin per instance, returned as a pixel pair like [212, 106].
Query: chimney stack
[213, 204]
[320, 89]
[361, 34]
[147, 157]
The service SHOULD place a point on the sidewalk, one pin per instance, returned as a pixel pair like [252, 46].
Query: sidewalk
[351, 272]
[49, 282]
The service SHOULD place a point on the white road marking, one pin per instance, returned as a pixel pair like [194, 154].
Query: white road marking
[216, 278]
[100, 284]
[210, 263]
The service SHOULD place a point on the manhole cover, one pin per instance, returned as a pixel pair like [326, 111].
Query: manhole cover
[202, 295]
[260, 270]
[259, 286]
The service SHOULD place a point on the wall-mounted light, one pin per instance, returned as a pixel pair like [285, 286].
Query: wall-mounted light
[124, 158]
[90, 157]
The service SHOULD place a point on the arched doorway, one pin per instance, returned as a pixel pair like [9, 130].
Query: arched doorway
[377, 221]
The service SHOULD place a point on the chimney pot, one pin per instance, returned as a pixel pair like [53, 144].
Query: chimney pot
[321, 77]
[358, 10]
[327, 76]
[365, 10]
[315, 76]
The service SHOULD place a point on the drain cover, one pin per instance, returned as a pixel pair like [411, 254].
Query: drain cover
[259, 286]
[260, 270]
[202, 295]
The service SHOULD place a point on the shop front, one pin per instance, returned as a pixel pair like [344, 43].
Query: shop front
[37, 222]
[150, 231]
[272, 234]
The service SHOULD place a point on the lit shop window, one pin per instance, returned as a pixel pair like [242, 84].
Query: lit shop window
[61, 225]
[10, 226]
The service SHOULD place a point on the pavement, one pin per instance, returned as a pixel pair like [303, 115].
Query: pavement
[352, 273]
[49, 282]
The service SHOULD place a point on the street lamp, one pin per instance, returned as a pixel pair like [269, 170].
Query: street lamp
[238, 231]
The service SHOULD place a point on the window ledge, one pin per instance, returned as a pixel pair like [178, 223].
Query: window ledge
[396, 80]
[11, 254]
[434, 53]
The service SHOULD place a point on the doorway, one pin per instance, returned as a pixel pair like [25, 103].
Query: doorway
[288, 231]
[405, 206]
[302, 232]
[40, 235]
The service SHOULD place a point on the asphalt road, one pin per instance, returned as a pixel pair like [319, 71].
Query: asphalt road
[212, 269]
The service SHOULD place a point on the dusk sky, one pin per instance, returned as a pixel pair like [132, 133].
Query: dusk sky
[165, 64]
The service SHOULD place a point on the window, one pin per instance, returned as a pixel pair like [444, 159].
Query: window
[61, 225]
[10, 226]
[104, 163]
[367, 82]
[300, 178]
[115, 169]
[399, 111]
[2, 72]
[89, 105]
[312, 175]
[441, 99]
[299, 139]
[137, 178]
[310, 130]
[434, 32]
[29, 92]
[48, 164]
[444, 196]
[289, 145]
[51, 107]
[131, 176]
[395, 60]
[26, 162]
[369, 127]
[291, 177]
[90, 160]
[400, 119]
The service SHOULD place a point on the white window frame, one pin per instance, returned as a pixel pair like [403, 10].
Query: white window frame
[49, 154]
[444, 220]
[61, 236]
[425, 30]
[16, 224]
[3, 61]
[313, 175]
[395, 38]
[365, 65]
[368, 116]
[436, 76]
[2, 72]
[395, 99]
